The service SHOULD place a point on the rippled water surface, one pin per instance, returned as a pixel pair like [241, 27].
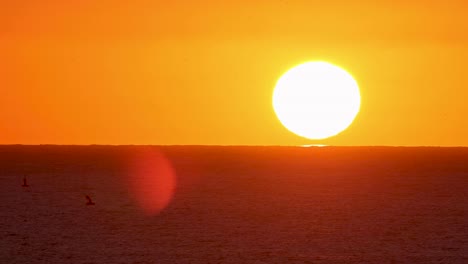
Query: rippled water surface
[233, 205]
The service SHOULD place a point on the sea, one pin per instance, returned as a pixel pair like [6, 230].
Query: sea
[233, 204]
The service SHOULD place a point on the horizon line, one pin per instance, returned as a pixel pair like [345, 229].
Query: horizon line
[239, 145]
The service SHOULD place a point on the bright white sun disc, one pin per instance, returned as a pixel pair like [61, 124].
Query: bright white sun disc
[316, 100]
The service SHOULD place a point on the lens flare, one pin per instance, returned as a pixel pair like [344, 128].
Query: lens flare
[152, 180]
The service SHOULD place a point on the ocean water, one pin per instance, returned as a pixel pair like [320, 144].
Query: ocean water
[199, 204]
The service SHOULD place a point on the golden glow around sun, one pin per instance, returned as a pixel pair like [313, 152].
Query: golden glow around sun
[316, 100]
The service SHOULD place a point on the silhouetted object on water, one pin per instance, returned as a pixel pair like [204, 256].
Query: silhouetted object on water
[90, 202]
[25, 183]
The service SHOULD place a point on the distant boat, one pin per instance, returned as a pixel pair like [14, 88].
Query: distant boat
[90, 202]
[25, 183]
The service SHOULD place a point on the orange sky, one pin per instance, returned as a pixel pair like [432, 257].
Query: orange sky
[202, 72]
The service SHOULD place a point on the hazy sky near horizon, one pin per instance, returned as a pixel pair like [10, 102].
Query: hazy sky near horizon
[203, 72]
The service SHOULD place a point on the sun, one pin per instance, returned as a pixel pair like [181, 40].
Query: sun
[316, 100]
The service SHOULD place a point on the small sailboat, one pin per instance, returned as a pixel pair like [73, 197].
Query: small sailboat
[25, 183]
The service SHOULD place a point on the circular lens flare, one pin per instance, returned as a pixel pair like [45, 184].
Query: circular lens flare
[152, 180]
